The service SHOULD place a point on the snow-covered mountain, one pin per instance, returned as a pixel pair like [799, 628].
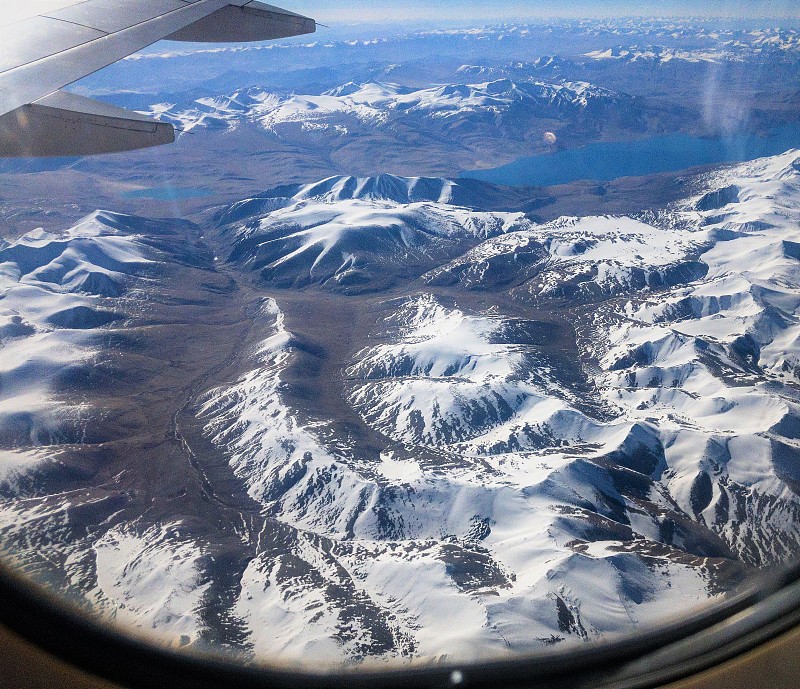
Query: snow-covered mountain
[662, 54]
[351, 105]
[426, 531]
[409, 418]
[70, 357]
[385, 425]
[613, 439]
[692, 325]
[356, 233]
[386, 188]
[56, 294]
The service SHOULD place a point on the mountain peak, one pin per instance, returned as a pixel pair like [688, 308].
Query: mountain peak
[385, 187]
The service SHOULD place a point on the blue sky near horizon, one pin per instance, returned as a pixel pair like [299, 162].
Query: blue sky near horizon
[411, 10]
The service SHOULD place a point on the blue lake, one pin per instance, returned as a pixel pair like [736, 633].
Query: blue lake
[610, 160]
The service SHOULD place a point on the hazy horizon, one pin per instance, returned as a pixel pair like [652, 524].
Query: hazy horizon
[362, 11]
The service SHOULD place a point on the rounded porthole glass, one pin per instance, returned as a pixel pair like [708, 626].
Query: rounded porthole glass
[441, 337]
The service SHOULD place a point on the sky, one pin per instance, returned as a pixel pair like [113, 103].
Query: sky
[410, 10]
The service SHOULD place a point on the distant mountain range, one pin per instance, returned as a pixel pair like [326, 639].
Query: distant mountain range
[352, 105]
[429, 103]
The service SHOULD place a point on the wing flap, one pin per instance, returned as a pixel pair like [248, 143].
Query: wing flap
[70, 54]
[31, 80]
[65, 124]
[42, 54]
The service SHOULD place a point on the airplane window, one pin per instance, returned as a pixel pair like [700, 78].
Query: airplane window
[447, 344]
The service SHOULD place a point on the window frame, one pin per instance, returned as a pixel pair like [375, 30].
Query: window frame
[750, 618]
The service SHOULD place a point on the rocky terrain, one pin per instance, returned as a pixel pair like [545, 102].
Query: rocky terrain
[377, 418]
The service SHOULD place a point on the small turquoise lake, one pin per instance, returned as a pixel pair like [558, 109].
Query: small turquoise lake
[610, 160]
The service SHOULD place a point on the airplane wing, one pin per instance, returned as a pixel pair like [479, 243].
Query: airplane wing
[56, 42]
